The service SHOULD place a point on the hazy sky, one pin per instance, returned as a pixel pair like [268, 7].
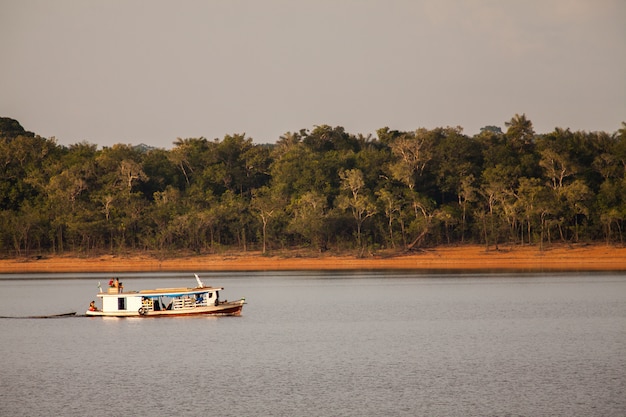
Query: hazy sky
[131, 71]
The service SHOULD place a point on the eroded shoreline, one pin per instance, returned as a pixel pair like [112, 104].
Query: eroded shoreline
[457, 258]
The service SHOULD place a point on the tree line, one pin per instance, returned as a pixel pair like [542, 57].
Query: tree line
[323, 188]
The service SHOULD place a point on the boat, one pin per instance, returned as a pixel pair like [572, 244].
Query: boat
[164, 302]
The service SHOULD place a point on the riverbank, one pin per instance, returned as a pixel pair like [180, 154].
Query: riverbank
[507, 258]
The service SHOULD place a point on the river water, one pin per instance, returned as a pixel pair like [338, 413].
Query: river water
[323, 344]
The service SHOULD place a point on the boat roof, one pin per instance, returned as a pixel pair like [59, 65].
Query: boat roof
[158, 292]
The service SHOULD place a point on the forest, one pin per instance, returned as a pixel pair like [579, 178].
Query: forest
[322, 189]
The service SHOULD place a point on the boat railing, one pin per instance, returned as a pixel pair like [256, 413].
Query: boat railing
[185, 302]
[177, 303]
[202, 302]
[148, 304]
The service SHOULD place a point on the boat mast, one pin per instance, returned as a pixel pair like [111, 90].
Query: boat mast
[200, 284]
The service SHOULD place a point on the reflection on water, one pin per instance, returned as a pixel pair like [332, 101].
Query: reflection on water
[324, 344]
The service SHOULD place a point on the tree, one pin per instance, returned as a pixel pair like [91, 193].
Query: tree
[557, 167]
[161, 173]
[495, 187]
[309, 215]
[167, 206]
[188, 155]
[457, 160]
[492, 129]
[356, 199]
[11, 129]
[423, 209]
[413, 152]
[577, 196]
[619, 149]
[300, 170]
[325, 138]
[606, 164]
[392, 207]
[611, 206]
[232, 169]
[287, 142]
[315, 188]
[455, 157]
[234, 211]
[119, 170]
[528, 195]
[132, 172]
[519, 147]
[467, 194]
[520, 131]
[266, 205]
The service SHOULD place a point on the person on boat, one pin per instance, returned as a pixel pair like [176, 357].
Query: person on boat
[111, 282]
[92, 306]
[117, 284]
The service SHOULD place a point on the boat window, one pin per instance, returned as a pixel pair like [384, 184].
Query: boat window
[210, 295]
[121, 303]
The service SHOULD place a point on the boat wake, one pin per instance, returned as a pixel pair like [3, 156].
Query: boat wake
[48, 316]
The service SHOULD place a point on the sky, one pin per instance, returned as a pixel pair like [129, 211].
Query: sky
[134, 71]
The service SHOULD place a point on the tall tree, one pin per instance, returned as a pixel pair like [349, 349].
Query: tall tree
[267, 206]
[413, 153]
[392, 207]
[356, 199]
[308, 219]
[188, 155]
[520, 131]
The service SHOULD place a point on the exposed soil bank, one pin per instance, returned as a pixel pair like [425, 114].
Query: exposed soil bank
[518, 258]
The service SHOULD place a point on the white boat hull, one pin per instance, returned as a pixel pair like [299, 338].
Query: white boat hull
[228, 308]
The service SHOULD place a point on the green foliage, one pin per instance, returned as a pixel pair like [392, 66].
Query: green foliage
[324, 188]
